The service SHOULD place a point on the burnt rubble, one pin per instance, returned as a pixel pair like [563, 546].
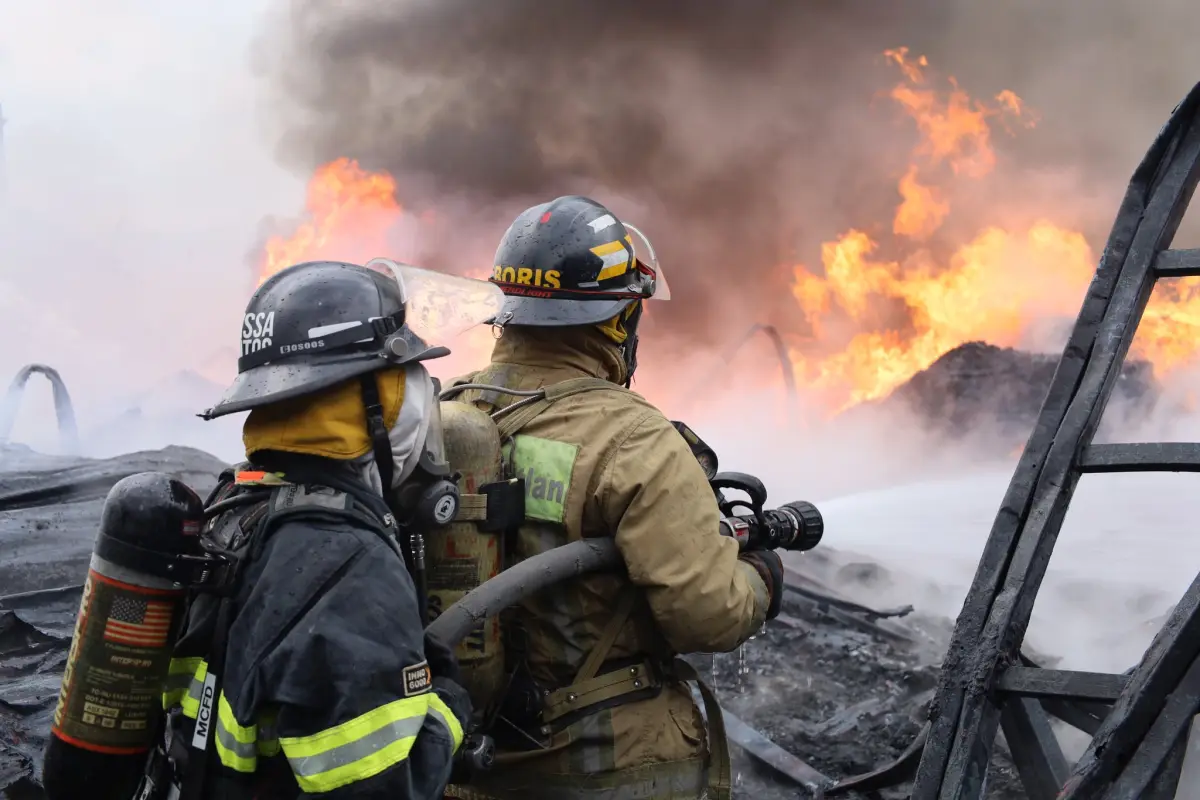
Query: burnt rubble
[843, 688]
[980, 389]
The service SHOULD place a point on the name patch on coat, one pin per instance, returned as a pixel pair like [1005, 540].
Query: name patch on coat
[417, 679]
[546, 467]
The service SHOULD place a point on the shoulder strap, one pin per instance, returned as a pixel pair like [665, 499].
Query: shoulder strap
[521, 415]
[720, 772]
[588, 688]
[608, 636]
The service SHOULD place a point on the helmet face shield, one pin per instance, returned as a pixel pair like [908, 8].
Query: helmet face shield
[657, 284]
[440, 306]
[319, 323]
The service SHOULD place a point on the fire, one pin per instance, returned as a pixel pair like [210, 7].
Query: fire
[352, 216]
[879, 313]
[879, 309]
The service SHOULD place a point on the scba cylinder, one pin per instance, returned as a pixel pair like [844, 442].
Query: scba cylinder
[461, 555]
[110, 702]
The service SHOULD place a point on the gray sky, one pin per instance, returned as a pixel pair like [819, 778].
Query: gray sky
[137, 175]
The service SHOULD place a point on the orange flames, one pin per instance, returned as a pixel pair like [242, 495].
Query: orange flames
[351, 213]
[881, 310]
[877, 319]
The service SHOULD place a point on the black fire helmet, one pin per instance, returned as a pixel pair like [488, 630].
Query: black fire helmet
[316, 324]
[571, 262]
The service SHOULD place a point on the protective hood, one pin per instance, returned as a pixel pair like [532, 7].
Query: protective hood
[332, 423]
[568, 352]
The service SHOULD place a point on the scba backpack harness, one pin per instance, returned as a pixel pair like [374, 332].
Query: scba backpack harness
[243, 512]
[591, 690]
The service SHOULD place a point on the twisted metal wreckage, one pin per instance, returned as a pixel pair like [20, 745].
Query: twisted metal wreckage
[1140, 720]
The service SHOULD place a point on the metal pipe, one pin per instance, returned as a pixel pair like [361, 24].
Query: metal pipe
[67, 428]
[785, 365]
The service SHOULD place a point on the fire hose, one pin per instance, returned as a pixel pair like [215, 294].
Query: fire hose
[601, 555]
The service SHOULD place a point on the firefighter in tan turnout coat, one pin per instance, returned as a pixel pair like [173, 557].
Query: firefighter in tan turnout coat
[598, 705]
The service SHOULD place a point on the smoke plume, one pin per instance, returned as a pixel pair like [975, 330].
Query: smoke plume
[741, 133]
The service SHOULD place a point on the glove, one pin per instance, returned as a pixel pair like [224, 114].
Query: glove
[770, 569]
[441, 659]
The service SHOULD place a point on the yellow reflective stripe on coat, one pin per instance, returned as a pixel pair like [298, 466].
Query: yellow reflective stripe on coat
[179, 678]
[356, 750]
[191, 701]
[443, 713]
[236, 744]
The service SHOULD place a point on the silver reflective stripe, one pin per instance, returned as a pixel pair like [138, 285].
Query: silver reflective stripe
[229, 742]
[191, 703]
[309, 766]
[177, 681]
[441, 717]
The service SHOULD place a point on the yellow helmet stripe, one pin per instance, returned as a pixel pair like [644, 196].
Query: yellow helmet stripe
[616, 257]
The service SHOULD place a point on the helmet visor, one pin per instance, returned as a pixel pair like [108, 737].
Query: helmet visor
[441, 306]
[646, 259]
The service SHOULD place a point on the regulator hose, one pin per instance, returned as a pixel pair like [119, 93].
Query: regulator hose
[522, 580]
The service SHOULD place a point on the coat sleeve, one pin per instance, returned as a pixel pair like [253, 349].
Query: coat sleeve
[358, 713]
[654, 494]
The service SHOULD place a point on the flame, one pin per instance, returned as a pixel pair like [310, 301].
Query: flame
[352, 214]
[880, 313]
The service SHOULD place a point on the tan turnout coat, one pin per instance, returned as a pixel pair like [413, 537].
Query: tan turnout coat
[608, 463]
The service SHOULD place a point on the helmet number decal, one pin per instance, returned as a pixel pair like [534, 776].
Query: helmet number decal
[257, 330]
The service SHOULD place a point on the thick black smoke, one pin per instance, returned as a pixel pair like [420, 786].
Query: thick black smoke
[740, 133]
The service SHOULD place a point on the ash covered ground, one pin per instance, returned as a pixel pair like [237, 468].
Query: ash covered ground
[843, 690]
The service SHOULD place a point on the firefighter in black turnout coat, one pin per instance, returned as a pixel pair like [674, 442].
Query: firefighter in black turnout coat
[308, 673]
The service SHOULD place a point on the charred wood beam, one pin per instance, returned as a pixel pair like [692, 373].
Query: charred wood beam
[1152, 754]
[997, 552]
[893, 774]
[1159, 457]
[1036, 753]
[1037, 682]
[1166, 783]
[1086, 717]
[774, 756]
[1161, 670]
[1177, 264]
[997, 609]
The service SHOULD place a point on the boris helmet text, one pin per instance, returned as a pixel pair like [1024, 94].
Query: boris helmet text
[257, 330]
[525, 276]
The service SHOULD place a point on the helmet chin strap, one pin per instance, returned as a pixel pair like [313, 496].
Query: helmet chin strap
[629, 348]
[377, 429]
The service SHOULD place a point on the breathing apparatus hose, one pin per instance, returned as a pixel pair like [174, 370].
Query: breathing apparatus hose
[522, 580]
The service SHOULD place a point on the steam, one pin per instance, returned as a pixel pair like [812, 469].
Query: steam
[135, 177]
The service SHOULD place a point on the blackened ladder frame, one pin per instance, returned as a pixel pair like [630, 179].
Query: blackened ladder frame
[1138, 742]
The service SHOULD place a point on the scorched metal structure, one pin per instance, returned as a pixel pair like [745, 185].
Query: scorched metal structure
[1140, 720]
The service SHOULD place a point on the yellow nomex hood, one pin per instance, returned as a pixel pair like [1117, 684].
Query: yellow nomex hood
[331, 423]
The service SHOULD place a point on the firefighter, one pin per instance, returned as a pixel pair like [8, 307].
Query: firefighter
[309, 674]
[598, 704]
